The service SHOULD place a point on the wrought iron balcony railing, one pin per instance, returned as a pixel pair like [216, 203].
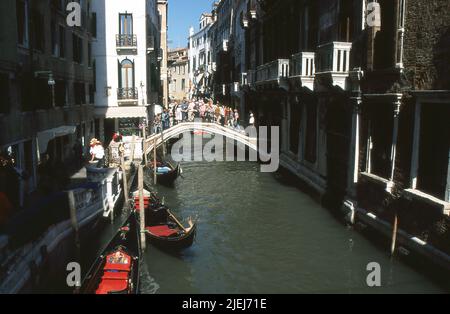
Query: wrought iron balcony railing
[129, 93]
[125, 41]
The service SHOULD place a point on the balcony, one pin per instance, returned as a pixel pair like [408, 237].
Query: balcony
[244, 79]
[225, 45]
[303, 69]
[274, 72]
[126, 43]
[235, 89]
[334, 64]
[127, 95]
[251, 77]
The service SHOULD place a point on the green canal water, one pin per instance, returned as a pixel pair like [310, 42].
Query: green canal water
[257, 234]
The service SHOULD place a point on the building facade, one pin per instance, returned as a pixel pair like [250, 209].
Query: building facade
[360, 91]
[163, 6]
[201, 64]
[178, 74]
[126, 64]
[47, 83]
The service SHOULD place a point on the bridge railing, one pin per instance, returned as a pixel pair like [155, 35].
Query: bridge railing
[181, 128]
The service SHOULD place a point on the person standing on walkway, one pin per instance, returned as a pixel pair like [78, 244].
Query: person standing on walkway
[251, 121]
[97, 152]
[179, 114]
[236, 118]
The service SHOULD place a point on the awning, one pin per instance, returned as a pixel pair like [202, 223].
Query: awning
[118, 112]
[45, 137]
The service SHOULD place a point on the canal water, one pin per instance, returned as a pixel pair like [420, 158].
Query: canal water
[257, 234]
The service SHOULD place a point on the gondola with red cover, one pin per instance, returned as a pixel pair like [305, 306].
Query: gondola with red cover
[116, 270]
[163, 229]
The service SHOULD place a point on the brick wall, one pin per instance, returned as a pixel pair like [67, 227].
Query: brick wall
[427, 44]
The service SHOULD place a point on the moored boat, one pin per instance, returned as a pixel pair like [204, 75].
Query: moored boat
[166, 173]
[163, 229]
[116, 270]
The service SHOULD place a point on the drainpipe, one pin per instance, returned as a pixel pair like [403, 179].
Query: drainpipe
[401, 33]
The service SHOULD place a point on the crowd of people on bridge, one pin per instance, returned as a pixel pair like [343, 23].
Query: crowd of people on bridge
[199, 110]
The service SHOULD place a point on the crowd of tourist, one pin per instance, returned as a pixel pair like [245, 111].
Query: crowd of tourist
[198, 110]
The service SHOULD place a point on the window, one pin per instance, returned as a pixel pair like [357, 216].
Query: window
[126, 24]
[434, 149]
[26, 97]
[80, 93]
[38, 33]
[55, 39]
[91, 94]
[183, 84]
[384, 52]
[94, 74]
[126, 74]
[94, 24]
[22, 22]
[381, 124]
[4, 91]
[77, 49]
[174, 85]
[62, 41]
[60, 93]
[89, 54]
[42, 95]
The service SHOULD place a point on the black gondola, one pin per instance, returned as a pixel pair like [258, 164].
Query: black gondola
[167, 177]
[116, 270]
[163, 229]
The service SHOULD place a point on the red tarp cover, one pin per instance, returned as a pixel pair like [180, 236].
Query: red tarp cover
[112, 285]
[162, 231]
[115, 275]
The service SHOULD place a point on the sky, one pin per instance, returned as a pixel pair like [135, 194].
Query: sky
[182, 15]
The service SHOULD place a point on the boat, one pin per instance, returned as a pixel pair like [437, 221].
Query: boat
[116, 270]
[166, 173]
[163, 229]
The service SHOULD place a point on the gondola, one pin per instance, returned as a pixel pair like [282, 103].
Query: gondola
[163, 229]
[166, 173]
[116, 270]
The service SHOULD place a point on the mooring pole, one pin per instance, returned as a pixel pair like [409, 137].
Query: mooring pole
[145, 145]
[124, 178]
[141, 206]
[154, 162]
[394, 234]
[133, 147]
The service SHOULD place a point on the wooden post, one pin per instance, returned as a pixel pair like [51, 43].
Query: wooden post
[124, 179]
[74, 222]
[133, 147]
[154, 163]
[141, 205]
[394, 234]
[145, 145]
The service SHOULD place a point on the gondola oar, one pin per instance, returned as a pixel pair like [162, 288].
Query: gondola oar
[176, 220]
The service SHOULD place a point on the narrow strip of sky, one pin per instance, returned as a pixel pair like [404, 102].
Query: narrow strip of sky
[182, 15]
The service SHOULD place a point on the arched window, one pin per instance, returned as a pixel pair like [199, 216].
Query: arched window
[126, 74]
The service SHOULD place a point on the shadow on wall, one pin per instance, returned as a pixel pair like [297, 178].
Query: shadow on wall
[441, 60]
